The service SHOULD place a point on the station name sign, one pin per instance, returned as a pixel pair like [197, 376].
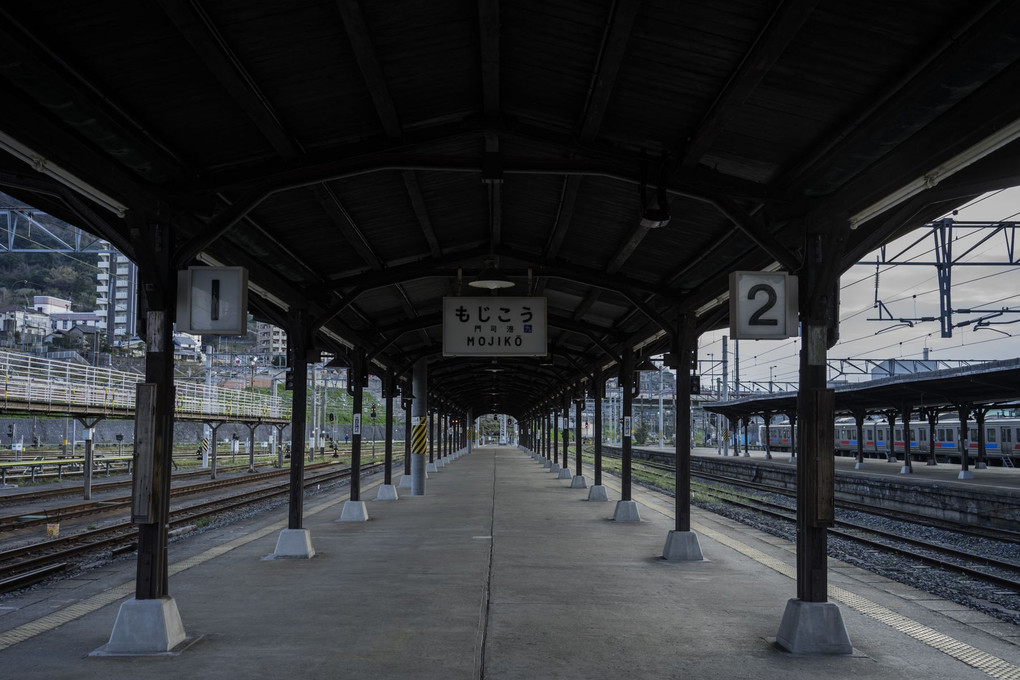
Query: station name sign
[494, 326]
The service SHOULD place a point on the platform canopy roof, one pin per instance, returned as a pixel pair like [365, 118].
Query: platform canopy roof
[365, 159]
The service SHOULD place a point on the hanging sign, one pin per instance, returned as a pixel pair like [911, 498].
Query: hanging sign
[494, 326]
[212, 300]
[357, 423]
[763, 305]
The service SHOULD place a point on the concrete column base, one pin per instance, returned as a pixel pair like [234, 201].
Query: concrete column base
[626, 511]
[682, 546]
[906, 470]
[564, 474]
[892, 459]
[578, 482]
[546, 462]
[440, 462]
[813, 628]
[932, 461]
[598, 494]
[554, 467]
[793, 459]
[405, 482]
[354, 511]
[858, 466]
[294, 544]
[980, 466]
[387, 492]
[965, 474]
[145, 627]
[430, 467]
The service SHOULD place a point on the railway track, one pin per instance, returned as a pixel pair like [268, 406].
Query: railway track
[926, 552]
[44, 515]
[25, 565]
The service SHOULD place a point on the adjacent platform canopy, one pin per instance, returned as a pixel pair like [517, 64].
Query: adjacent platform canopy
[994, 384]
[620, 158]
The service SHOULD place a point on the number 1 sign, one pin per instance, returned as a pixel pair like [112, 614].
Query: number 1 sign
[763, 305]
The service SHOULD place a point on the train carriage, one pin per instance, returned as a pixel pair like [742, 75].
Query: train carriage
[1002, 439]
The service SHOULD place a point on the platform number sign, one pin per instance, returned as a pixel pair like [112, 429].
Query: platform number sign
[763, 305]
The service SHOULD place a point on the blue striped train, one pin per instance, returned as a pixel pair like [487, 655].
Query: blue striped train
[1002, 439]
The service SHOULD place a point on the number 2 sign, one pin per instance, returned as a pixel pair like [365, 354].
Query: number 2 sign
[763, 305]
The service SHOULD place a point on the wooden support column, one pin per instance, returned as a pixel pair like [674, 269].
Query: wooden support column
[389, 389]
[405, 402]
[598, 391]
[355, 387]
[964, 411]
[159, 287]
[890, 417]
[859, 415]
[578, 439]
[932, 415]
[299, 348]
[566, 432]
[905, 412]
[627, 388]
[686, 345]
[979, 419]
[555, 426]
[811, 624]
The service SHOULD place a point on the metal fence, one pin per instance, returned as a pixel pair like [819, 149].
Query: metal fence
[57, 386]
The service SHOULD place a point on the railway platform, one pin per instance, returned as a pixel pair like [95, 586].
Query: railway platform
[943, 473]
[502, 571]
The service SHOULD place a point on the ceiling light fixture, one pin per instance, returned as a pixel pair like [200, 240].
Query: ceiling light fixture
[41, 164]
[646, 365]
[983, 148]
[490, 277]
[657, 215]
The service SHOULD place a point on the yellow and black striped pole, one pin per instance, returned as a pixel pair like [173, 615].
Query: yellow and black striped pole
[419, 436]
[419, 427]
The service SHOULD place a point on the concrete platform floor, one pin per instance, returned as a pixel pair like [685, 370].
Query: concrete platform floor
[502, 571]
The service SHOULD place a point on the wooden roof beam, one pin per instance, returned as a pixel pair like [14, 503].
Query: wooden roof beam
[770, 44]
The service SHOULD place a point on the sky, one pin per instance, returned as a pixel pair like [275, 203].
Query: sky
[908, 292]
